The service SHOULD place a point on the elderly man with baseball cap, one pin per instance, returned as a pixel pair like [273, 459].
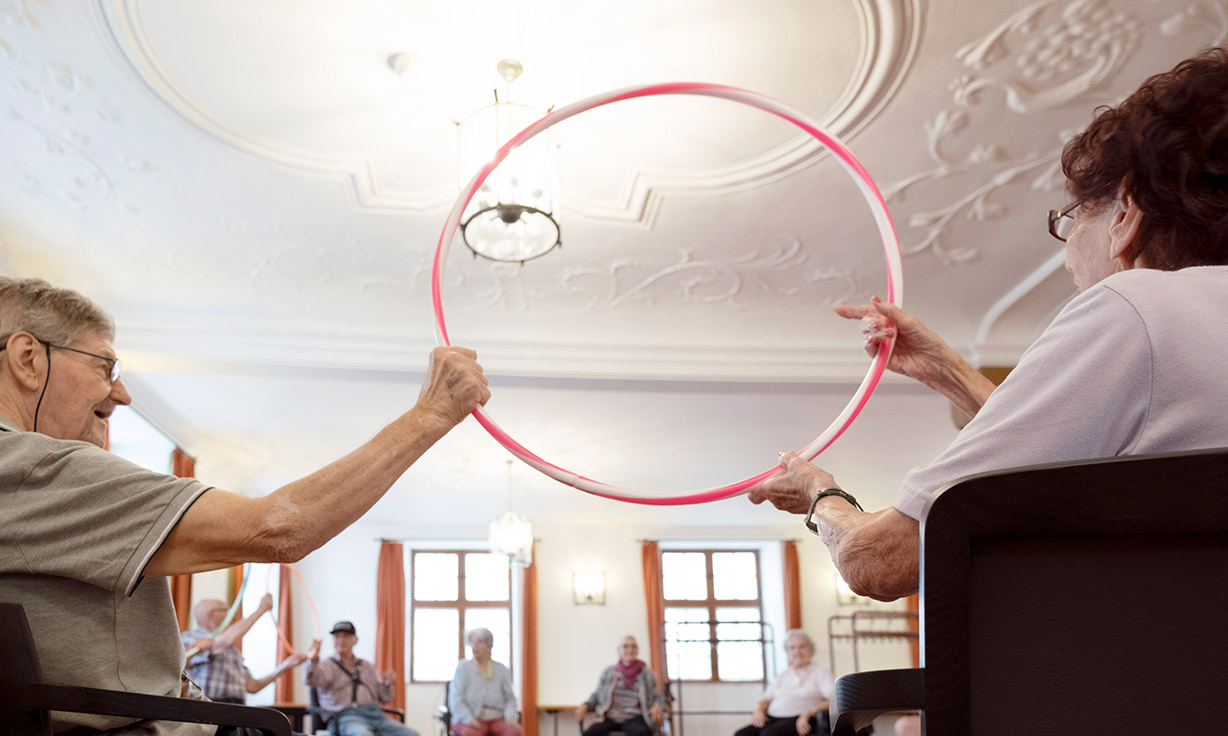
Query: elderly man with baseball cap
[352, 687]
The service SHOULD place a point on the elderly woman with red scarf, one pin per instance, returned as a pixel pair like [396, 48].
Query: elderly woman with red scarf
[627, 698]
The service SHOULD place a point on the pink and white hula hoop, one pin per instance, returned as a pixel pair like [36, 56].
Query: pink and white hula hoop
[891, 251]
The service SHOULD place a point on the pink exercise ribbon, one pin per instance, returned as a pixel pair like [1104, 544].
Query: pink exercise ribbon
[281, 634]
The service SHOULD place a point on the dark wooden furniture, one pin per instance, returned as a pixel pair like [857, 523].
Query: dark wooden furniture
[445, 713]
[1080, 597]
[295, 712]
[25, 699]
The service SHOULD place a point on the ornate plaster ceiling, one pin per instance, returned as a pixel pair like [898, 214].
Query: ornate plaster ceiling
[256, 196]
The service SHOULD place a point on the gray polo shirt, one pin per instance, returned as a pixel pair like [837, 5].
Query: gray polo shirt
[78, 525]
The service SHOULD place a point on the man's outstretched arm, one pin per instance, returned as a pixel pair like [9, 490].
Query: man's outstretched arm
[222, 529]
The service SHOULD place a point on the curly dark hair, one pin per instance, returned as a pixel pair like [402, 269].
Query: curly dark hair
[1165, 147]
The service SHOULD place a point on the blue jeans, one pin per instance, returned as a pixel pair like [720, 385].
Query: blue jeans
[369, 720]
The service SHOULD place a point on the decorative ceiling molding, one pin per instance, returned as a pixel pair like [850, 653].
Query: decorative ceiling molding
[290, 348]
[889, 33]
[18, 13]
[60, 161]
[1044, 56]
[1059, 61]
[710, 281]
[782, 270]
[1017, 293]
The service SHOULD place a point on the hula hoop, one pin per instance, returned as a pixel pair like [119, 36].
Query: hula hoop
[891, 251]
[230, 614]
[281, 634]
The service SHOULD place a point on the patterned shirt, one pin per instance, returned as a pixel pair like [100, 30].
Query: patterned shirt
[336, 685]
[219, 672]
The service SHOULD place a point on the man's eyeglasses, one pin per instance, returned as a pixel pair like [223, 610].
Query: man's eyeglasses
[1062, 222]
[114, 364]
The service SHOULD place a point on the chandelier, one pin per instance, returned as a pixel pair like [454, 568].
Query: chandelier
[512, 534]
[512, 215]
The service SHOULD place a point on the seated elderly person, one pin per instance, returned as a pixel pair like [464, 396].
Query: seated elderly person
[791, 703]
[480, 697]
[88, 541]
[218, 667]
[1130, 366]
[352, 688]
[627, 698]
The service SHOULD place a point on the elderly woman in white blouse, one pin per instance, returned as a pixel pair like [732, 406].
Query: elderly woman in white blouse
[792, 702]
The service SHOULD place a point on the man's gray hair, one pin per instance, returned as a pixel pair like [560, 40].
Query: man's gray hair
[800, 634]
[50, 313]
[482, 635]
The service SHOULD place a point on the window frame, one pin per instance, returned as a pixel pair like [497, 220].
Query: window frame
[711, 603]
[459, 605]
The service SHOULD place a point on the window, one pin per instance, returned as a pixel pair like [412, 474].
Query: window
[453, 591]
[713, 615]
[133, 438]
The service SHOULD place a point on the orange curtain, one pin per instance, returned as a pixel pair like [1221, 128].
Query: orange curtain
[914, 605]
[181, 585]
[390, 615]
[655, 601]
[528, 660]
[793, 588]
[236, 582]
[283, 686]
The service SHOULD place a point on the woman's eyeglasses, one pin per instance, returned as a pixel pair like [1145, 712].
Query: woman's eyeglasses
[1062, 222]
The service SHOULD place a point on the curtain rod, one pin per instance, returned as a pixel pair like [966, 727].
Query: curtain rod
[402, 540]
[795, 540]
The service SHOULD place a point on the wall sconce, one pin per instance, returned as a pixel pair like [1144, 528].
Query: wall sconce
[588, 588]
[845, 595]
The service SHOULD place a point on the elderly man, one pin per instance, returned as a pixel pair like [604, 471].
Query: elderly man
[352, 688]
[87, 538]
[627, 698]
[219, 668]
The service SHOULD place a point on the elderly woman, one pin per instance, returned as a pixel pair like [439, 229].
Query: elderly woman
[480, 698]
[1130, 366]
[791, 704]
[627, 698]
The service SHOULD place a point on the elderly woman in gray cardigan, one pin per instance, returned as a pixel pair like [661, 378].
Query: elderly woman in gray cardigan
[480, 698]
[627, 698]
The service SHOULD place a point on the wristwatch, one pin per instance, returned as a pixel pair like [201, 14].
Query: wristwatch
[810, 524]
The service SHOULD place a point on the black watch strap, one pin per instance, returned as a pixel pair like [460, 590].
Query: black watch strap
[810, 524]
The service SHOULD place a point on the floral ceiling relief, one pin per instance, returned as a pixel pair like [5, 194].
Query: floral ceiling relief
[1057, 59]
[1035, 63]
[58, 110]
[778, 269]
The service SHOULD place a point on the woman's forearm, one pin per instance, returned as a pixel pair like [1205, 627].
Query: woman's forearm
[877, 554]
[960, 383]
